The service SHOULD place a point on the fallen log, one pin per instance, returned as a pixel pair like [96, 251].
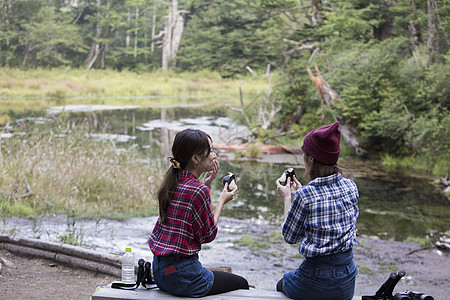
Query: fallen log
[265, 149]
[73, 256]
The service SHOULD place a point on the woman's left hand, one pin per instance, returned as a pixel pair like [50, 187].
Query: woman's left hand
[211, 175]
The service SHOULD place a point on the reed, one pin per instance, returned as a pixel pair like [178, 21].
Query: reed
[55, 169]
[77, 86]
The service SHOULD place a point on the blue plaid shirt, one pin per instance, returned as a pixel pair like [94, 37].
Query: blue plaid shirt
[322, 217]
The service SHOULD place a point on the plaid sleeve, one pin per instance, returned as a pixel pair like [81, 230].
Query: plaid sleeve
[203, 224]
[292, 229]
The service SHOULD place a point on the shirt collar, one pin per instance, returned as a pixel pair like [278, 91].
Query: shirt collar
[319, 181]
[188, 174]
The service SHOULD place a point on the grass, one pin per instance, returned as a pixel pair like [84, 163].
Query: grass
[40, 88]
[386, 267]
[365, 270]
[422, 241]
[253, 244]
[73, 172]
[438, 166]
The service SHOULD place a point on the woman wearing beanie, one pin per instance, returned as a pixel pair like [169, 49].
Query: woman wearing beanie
[321, 217]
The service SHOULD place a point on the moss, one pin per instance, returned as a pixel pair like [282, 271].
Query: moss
[252, 243]
[365, 270]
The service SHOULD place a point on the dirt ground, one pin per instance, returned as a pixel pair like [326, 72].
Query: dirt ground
[251, 250]
[427, 271]
[33, 278]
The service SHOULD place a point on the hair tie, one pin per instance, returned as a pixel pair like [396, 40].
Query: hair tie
[174, 162]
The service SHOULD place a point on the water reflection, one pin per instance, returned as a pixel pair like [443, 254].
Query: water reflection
[392, 206]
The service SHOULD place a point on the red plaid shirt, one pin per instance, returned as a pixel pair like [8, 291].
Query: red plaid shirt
[190, 220]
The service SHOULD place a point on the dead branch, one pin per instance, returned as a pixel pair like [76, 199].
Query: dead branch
[328, 96]
[265, 116]
[242, 108]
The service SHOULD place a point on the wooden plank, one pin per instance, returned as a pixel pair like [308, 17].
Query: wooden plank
[108, 293]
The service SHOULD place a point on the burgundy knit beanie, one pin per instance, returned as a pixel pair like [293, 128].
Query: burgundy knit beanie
[323, 143]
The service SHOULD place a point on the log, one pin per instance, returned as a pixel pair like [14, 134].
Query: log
[265, 149]
[71, 261]
[106, 258]
[73, 256]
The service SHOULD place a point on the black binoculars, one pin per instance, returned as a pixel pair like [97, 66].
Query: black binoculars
[412, 296]
[385, 291]
[144, 277]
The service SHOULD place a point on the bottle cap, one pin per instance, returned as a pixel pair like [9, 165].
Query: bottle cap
[127, 249]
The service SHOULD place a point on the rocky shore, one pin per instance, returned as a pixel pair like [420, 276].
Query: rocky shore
[255, 251]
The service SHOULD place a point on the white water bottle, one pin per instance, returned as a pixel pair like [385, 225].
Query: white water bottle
[128, 266]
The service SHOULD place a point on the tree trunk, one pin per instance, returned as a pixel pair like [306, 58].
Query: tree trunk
[95, 46]
[316, 15]
[178, 27]
[27, 53]
[167, 42]
[328, 95]
[102, 57]
[127, 37]
[136, 32]
[414, 32]
[173, 31]
[5, 14]
[152, 45]
[144, 25]
[383, 31]
[432, 29]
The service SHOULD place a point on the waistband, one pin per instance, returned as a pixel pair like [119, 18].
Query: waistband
[175, 258]
[340, 257]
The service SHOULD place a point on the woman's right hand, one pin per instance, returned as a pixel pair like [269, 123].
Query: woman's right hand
[227, 195]
[289, 189]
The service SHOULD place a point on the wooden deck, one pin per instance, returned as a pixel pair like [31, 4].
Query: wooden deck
[108, 293]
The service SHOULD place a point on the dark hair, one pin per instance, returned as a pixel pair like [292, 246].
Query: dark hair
[186, 143]
[319, 169]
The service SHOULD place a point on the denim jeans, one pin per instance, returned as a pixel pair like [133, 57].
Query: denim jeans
[325, 277]
[182, 276]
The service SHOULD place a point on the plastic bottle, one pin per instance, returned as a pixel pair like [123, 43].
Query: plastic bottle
[128, 266]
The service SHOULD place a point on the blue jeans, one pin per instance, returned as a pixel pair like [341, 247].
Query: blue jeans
[325, 277]
[182, 276]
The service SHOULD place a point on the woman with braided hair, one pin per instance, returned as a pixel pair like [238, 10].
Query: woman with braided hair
[186, 221]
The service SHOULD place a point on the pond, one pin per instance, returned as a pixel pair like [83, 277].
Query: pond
[393, 205]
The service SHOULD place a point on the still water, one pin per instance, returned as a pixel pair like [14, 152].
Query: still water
[393, 205]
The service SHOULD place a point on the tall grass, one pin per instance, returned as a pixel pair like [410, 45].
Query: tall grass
[123, 87]
[437, 166]
[73, 172]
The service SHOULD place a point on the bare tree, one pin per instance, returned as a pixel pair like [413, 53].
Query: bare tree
[173, 30]
[328, 95]
[267, 111]
[152, 46]
[127, 36]
[97, 46]
[136, 10]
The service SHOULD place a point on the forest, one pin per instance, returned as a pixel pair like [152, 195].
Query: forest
[385, 64]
